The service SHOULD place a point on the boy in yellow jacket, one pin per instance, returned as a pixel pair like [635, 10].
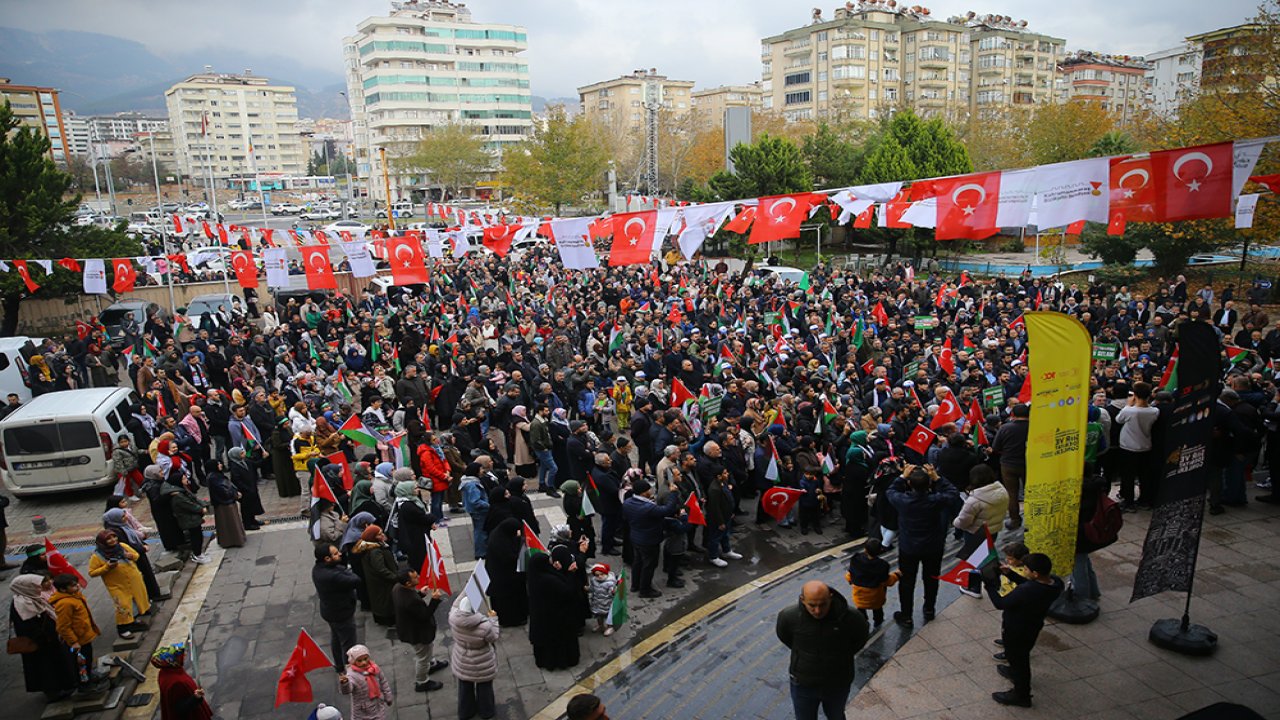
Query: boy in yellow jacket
[870, 577]
[76, 626]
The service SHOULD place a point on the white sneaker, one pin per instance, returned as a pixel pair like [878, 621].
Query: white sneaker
[134, 499]
[200, 559]
[733, 555]
[971, 593]
[719, 563]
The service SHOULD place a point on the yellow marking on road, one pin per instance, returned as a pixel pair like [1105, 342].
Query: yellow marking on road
[629, 656]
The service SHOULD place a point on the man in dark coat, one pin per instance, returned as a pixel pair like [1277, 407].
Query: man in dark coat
[824, 634]
[609, 505]
[923, 501]
[645, 519]
[578, 450]
[416, 625]
[1025, 608]
[336, 589]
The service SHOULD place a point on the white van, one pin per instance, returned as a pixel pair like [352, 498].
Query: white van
[14, 377]
[62, 441]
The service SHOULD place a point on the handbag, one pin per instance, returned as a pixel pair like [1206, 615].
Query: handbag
[19, 644]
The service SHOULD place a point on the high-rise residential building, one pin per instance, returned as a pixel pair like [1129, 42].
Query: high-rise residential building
[78, 131]
[38, 107]
[619, 104]
[123, 126]
[159, 142]
[711, 103]
[217, 118]
[429, 64]
[875, 55]
[1173, 77]
[1226, 63]
[1117, 83]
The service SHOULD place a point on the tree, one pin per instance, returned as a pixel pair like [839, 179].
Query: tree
[451, 155]
[35, 219]
[833, 161]
[770, 166]
[564, 160]
[1173, 244]
[1066, 131]
[1110, 249]
[1116, 142]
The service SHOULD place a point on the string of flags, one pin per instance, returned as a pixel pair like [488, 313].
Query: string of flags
[1191, 183]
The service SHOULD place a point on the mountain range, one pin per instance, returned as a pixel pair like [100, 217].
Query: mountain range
[103, 74]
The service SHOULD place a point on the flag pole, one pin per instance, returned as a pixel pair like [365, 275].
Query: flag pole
[164, 230]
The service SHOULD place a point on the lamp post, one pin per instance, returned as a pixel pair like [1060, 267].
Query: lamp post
[386, 184]
[164, 230]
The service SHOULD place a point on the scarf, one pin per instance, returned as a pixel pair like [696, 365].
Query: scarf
[192, 426]
[170, 656]
[28, 601]
[406, 491]
[114, 520]
[370, 673]
[236, 455]
[148, 423]
[110, 552]
[358, 523]
[361, 492]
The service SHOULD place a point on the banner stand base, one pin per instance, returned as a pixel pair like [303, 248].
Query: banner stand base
[1074, 610]
[1172, 634]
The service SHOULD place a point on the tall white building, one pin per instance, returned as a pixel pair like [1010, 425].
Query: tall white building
[1173, 77]
[216, 118]
[428, 64]
[79, 133]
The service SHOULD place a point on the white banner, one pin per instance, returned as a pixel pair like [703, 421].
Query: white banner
[1245, 207]
[46, 264]
[699, 222]
[853, 201]
[922, 213]
[1017, 187]
[435, 243]
[358, 257]
[1244, 157]
[276, 263]
[1072, 191]
[573, 240]
[95, 276]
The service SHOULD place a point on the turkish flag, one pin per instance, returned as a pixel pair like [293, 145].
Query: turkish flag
[779, 217]
[601, 228]
[1117, 224]
[404, 252]
[696, 516]
[177, 224]
[204, 225]
[222, 234]
[948, 412]
[778, 501]
[633, 238]
[1193, 183]
[741, 223]
[180, 260]
[433, 573]
[498, 238]
[921, 438]
[863, 220]
[315, 260]
[58, 564]
[266, 236]
[123, 275]
[879, 315]
[71, 264]
[246, 271]
[1132, 193]
[975, 416]
[1271, 181]
[293, 685]
[894, 209]
[946, 358]
[1024, 394]
[25, 272]
[967, 206]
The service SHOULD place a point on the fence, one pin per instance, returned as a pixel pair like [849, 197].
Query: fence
[41, 317]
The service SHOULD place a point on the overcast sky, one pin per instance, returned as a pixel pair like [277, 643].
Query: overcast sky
[576, 42]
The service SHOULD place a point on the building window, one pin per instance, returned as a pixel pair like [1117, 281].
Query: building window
[801, 78]
[797, 98]
[822, 96]
[822, 36]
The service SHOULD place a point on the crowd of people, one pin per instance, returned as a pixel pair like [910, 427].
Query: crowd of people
[623, 392]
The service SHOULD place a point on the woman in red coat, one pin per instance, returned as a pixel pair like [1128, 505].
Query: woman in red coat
[180, 697]
[436, 469]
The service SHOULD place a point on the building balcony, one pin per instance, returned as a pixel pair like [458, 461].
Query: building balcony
[849, 81]
[934, 63]
[933, 82]
[994, 70]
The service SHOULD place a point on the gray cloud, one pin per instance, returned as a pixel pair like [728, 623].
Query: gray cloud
[576, 42]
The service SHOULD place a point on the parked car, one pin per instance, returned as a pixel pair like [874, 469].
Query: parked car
[202, 304]
[285, 209]
[62, 441]
[783, 273]
[321, 212]
[115, 316]
[14, 355]
[355, 227]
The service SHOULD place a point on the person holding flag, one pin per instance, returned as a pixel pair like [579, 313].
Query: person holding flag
[985, 504]
[645, 519]
[923, 501]
[415, 608]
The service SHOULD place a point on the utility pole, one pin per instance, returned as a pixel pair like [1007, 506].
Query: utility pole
[652, 104]
[386, 184]
[164, 228]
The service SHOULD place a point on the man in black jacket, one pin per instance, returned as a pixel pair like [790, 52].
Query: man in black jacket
[1025, 608]
[924, 502]
[824, 636]
[416, 625]
[336, 588]
[645, 519]
[609, 505]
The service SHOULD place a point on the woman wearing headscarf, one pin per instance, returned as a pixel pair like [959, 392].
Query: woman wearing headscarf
[508, 595]
[412, 521]
[224, 497]
[117, 564]
[166, 524]
[362, 501]
[379, 570]
[328, 524]
[367, 685]
[521, 506]
[579, 526]
[188, 512]
[522, 456]
[287, 484]
[41, 376]
[553, 631]
[180, 697]
[500, 509]
[49, 667]
[559, 436]
[119, 521]
[473, 658]
[857, 472]
[355, 527]
[327, 437]
[244, 476]
[194, 438]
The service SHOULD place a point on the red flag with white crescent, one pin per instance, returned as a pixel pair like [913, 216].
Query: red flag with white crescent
[123, 275]
[25, 273]
[246, 271]
[404, 253]
[778, 501]
[633, 238]
[315, 260]
[498, 238]
[1193, 183]
[779, 217]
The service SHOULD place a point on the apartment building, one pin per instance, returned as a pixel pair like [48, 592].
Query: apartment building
[1225, 61]
[711, 103]
[39, 108]
[78, 134]
[427, 64]
[216, 118]
[1172, 77]
[875, 55]
[161, 144]
[619, 104]
[1115, 82]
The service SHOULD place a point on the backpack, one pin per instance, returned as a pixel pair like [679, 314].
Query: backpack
[1103, 528]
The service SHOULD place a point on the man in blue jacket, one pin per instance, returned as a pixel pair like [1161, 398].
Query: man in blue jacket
[645, 519]
[923, 501]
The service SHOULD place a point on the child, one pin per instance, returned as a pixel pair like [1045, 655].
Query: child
[75, 624]
[869, 575]
[811, 502]
[603, 586]
[1014, 554]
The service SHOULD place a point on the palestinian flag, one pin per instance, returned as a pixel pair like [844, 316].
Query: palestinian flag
[314, 355]
[681, 397]
[179, 322]
[533, 546]
[1236, 355]
[858, 330]
[355, 429]
[395, 357]
[805, 284]
[828, 466]
[828, 412]
[779, 421]
[618, 610]
[1169, 380]
[375, 350]
[586, 509]
[981, 555]
[771, 472]
[401, 448]
[616, 339]
[725, 362]
[320, 490]
[343, 388]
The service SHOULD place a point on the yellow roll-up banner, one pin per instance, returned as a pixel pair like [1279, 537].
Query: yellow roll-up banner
[1059, 367]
